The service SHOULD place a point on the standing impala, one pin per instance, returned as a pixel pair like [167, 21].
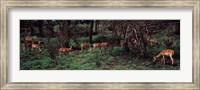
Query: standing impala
[151, 40]
[104, 45]
[96, 45]
[64, 50]
[26, 44]
[28, 38]
[84, 45]
[39, 42]
[163, 53]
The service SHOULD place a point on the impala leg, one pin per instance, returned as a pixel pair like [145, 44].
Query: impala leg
[59, 53]
[154, 60]
[40, 50]
[90, 49]
[163, 60]
[31, 49]
[172, 59]
[81, 49]
[105, 49]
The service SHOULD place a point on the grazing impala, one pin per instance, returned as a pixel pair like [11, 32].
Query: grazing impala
[96, 45]
[163, 53]
[36, 46]
[84, 45]
[64, 50]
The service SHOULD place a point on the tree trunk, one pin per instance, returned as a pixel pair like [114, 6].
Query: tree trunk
[126, 47]
[40, 26]
[144, 44]
[96, 25]
[66, 33]
[90, 32]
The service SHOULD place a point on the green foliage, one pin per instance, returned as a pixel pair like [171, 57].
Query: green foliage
[84, 40]
[83, 25]
[73, 43]
[95, 38]
[35, 62]
[56, 28]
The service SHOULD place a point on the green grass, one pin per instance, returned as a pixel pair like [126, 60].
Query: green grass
[95, 60]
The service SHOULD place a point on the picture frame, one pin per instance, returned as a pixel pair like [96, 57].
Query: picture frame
[7, 4]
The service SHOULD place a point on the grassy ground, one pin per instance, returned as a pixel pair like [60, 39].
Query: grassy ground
[114, 59]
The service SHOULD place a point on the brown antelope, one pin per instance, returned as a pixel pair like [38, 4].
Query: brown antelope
[104, 44]
[85, 45]
[36, 46]
[134, 41]
[39, 42]
[96, 45]
[64, 50]
[26, 44]
[131, 42]
[151, 40]
[28, 38]
[163, 53]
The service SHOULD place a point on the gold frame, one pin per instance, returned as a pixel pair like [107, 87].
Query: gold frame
[6, 4]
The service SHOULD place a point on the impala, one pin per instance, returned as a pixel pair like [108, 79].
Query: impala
[96, 45]
[28, 38]
[64, 50]
[134, 41]
[36, 46]
[39, 42]
[84, 45]
[26, 44]
[163, 53]
[151, 40]
[104, 44]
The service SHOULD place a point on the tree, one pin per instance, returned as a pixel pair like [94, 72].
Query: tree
[91, 30]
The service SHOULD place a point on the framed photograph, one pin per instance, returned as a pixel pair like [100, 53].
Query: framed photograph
[103, 44]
